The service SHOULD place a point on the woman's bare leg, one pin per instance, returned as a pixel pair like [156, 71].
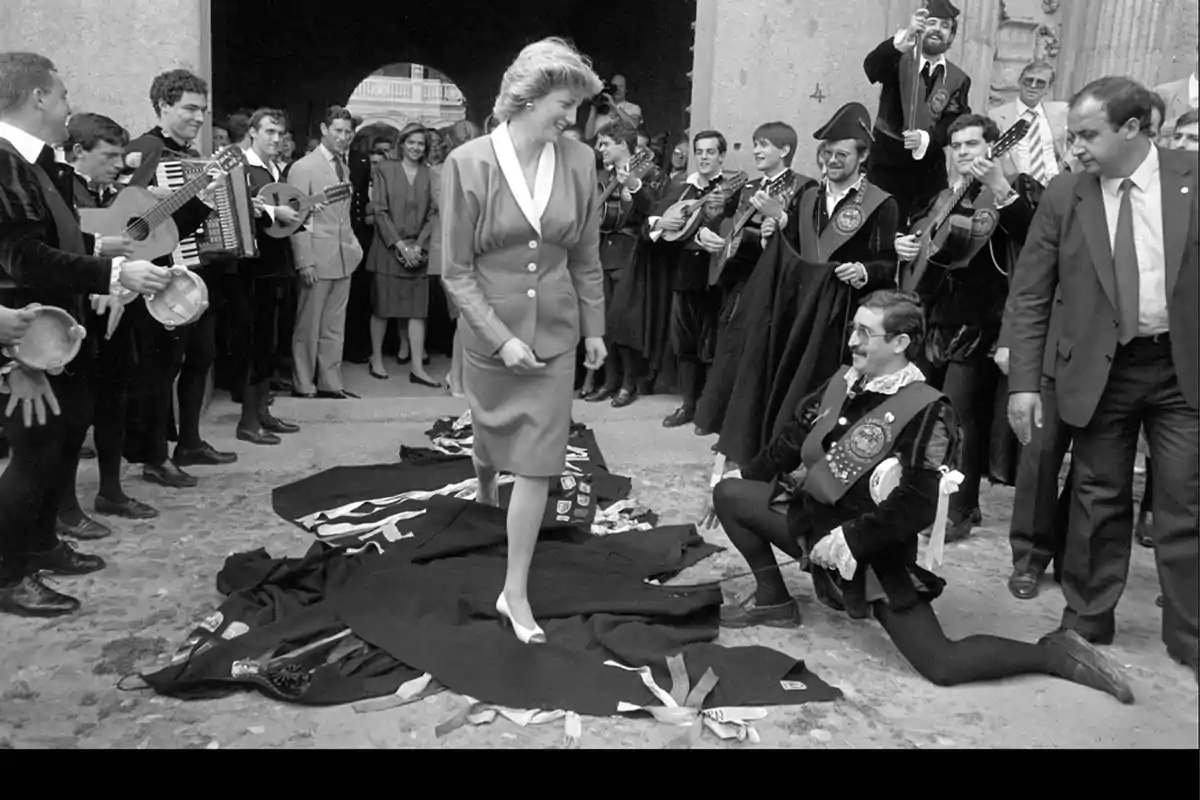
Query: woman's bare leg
[525, 512]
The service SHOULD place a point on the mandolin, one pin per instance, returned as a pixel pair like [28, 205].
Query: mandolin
[947, 240]
[731, 229]
[284, 194]
[136, 213]
[692, 210]
[639, 165]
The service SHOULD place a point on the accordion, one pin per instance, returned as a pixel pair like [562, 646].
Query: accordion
[229, 231]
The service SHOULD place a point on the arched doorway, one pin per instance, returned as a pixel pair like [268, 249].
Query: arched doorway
[399, 94]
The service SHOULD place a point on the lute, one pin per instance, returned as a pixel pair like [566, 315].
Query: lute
[692, 210]
[137, 214]
[732, 228]
[639, 165]
[284, 194]
[947, 239]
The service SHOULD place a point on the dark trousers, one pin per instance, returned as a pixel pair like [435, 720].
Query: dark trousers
[41, 465]
[1142, 390]
[971, 387]
[693, 317]
[185, 353]
[255, 319]
[1041, 513]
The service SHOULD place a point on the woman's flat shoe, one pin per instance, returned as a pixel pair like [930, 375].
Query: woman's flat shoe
[383, 376]
[525, 635]
[422, 382]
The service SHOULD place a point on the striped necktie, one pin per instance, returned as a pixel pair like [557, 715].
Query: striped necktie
[1037, 149]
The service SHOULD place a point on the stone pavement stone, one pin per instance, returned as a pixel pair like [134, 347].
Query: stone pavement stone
[58, 677]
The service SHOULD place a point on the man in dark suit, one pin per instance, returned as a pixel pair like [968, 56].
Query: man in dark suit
[1120, 241]
[911, 132]
[55, 264]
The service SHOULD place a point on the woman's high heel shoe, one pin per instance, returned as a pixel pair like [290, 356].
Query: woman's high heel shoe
[525, 635]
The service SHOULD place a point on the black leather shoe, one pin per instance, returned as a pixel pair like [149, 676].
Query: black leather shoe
[32, 598]
[204, 455]
[276, 425]
[1087, 666]
[281, 385]
[257, 437]
[1024, 583]
[168, 475]
[128, 508]
[680, 416]
[304, 395]
[419, 381]
[957, 531]
[1143, 531]
[702, 431]
[87, 529]
[64, 560]
[624, 398]
[600, 395]
[752, 615]
[340, 394]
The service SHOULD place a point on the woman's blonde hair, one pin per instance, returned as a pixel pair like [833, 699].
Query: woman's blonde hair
[459, 133]
[541, 68]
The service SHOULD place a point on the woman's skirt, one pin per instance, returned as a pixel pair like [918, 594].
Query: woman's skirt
[396, 297]
[521, 422]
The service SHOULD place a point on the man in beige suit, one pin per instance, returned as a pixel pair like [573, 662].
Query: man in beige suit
[327, 253]
[1042, 154]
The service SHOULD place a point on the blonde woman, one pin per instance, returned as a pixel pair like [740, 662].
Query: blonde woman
[457, 134]
[520, 257]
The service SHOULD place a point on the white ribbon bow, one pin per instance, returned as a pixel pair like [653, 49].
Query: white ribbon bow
[948, 485]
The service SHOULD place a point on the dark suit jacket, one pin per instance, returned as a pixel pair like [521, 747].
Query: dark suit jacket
[1068, 249]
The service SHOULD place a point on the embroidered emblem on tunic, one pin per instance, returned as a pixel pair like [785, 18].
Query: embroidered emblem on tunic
[848, 220]
[868, 440]
[983, 222]
[938, 101]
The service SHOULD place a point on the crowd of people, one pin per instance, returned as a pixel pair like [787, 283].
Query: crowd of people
[936, 304]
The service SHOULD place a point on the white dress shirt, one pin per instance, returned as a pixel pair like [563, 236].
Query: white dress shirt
[1023, 153]
[832, 199]
[1146, 198]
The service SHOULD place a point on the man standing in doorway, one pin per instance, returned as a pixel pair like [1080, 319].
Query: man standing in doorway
[1118, 244]
[327, 252]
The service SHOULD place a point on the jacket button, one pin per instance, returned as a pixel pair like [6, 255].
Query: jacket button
[533, 244]
[532, 267]
[532, 293]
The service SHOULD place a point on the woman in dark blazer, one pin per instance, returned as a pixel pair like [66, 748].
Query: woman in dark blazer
[520, 257]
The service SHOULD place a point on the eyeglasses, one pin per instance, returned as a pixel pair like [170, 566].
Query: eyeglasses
[863, 333]
[1035, 83]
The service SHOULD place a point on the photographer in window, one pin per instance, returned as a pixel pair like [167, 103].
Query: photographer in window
[611, 105]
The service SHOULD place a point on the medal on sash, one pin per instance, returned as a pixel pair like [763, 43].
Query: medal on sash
[983, 222]
[868, 439]
[938, 102]
[849, 219]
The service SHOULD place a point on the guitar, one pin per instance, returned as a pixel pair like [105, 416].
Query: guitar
[284, 194]
[692, 210]
[947, 240]
[639, 165]
[146, 220]
[731, 229]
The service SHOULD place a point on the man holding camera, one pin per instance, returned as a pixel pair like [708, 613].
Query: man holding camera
[611, 105]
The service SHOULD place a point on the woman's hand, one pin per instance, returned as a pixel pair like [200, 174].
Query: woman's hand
[518, 356]
[595, 352]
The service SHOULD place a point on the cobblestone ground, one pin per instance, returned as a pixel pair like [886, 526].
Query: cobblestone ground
[58, 677]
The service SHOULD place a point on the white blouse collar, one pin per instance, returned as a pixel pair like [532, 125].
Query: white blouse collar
[887, 384]
[506, 153]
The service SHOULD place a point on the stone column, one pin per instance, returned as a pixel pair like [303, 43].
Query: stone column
[1151, 41]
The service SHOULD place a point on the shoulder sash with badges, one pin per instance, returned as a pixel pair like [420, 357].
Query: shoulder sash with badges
[846, 222]
[864, 445]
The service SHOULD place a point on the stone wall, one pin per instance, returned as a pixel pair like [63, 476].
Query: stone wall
[108, 51]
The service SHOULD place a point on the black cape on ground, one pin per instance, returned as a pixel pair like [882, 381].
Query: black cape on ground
[425, 603]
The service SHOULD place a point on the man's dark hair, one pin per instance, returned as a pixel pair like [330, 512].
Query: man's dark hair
[991, 131]
[1040, 66]
[1190, 118]
[1158, 104]
[779, 134]
[1121, 98]
[238, 126]
[20, 74]
[337, 112]
[169, 87]
[903, 313]
[620, 132]
[722, 145]
[256, 119]
[89, 130]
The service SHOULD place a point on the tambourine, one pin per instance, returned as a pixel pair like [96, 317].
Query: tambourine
[182, 302]
[52, 340]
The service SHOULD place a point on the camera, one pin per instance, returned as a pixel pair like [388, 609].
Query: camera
[600, 101]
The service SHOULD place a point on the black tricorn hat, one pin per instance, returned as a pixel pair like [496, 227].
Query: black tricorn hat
[942, 9]
[851, 121]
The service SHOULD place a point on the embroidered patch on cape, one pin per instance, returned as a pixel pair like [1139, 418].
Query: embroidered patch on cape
[868, 440]
[938, 102]
[983, 222]
[848, 220]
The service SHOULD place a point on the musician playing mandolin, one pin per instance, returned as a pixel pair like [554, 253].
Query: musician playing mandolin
[255, 304]
[631, 187]
[965, 288]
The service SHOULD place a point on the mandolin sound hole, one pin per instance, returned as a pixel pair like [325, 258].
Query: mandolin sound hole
[138, 229]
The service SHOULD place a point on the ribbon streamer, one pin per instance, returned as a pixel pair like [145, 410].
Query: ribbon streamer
[948, 485]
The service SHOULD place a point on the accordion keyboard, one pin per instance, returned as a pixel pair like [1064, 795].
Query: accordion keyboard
[171, 175]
